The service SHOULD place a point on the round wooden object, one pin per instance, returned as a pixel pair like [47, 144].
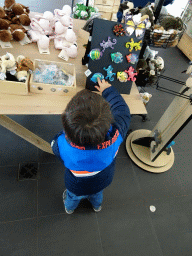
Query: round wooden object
[141, 155]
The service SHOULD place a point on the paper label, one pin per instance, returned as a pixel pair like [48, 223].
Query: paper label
[43, 51]
[88, 72]
[25, 40]
[13, 72]
[6, 44]
[63, 55]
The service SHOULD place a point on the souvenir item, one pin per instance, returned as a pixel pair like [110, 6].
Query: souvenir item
[131, 27]
[108, 43]
[118, 30]
[109, 73]
[131, 74]
[131, 45]
[117, 57]
[94, 77]
[95, 54]
[122, 76]
[132, 58]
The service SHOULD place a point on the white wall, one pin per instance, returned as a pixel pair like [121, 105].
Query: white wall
[42, 5]
[177, 7]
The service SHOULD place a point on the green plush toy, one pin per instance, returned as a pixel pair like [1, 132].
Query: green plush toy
[83, 12]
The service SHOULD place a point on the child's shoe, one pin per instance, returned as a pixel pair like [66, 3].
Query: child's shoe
[97, 209]
[64, 197]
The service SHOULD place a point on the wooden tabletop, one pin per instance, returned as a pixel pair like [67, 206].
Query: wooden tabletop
[32, 104]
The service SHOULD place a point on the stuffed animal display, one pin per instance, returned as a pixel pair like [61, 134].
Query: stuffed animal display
[15, 70]
[83, 12]
[13, 16]
[57, 26]
[165, 33]
[148, 70]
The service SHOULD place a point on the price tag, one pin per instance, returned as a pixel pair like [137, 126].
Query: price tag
[25, 40]
[88, 72]
[6, 44]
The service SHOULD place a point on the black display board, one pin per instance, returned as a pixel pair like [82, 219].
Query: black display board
[102, 29]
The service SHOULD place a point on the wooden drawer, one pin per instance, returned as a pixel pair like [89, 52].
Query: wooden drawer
[18, 88]
[54, 89]
[185, 45]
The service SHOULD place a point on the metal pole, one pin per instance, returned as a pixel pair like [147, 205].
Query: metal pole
[158, 9]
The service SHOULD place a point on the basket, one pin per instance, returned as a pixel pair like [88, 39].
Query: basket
[166, 38]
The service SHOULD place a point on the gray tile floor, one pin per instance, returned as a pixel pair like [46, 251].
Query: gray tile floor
[32, 217]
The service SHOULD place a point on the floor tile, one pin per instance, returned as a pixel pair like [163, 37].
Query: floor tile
[174, 182]
[14, 149]
[50, 189]
[172, 222]
[126, 230]
[18, 238]
[18, 198]
[75, 234]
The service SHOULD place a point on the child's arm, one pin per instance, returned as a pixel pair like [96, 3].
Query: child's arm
[119, 108]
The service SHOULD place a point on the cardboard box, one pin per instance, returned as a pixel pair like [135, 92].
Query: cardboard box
[52, 88]
[104, 8]
[116, 2]
[114, 17]
[18, 88]
[106, 15]
[115, 8]
[104, 2]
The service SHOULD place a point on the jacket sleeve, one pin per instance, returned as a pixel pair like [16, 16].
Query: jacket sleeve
[119, 109]
[54, 146]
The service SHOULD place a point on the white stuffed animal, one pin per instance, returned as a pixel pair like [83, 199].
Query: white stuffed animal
[8, 64]
[149, 54]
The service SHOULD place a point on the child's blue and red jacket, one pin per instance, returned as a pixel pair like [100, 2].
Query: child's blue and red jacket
[91, 169]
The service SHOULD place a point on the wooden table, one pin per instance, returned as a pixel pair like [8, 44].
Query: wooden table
[39, 104]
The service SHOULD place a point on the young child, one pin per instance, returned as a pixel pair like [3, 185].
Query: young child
[94, 127]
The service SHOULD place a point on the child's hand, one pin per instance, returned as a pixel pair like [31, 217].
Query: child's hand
[102, 85]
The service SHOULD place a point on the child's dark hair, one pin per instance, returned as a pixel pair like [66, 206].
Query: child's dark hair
[87, 118]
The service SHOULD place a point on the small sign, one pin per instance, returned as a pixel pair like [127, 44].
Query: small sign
[25, 40]
[88, 72]
[6, 44]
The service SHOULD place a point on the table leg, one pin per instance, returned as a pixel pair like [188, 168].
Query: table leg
[25, 134]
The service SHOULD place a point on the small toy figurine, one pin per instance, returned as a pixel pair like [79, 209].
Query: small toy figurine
[95, 54]
[118, 30]
[131, 74]
[109, 73]
[94, 77]
[108, 44]
[132, 58]
[122, 76]
[132, 45]
[117, 57]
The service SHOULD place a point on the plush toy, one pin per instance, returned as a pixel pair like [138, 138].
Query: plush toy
[80, 12]
[18, 9]
[2, 13]
[171, 22]
[66, 10]
[5, 36]
[148, 11]
[145, 97]
[124, 8]
[24, 64]
[8, 64]
[149, 54]
[18, 32]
